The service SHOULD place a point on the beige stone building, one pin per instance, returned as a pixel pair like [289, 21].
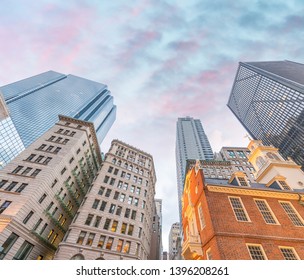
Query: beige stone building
[42, 189]
[115, 219]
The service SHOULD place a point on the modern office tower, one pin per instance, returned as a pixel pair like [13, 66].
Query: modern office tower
[43, 187]
[174, 234]
[115, 220]
[268, 99]
[240, 220]
[8, 135]
[191, 143]
[238, 157]
[156, 239]
[35, 103]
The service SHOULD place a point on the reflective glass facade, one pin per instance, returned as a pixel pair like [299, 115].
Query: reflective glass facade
[268, 99]
[191, 143]
[35, 103]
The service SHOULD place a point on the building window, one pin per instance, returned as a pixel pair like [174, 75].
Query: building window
[107, 224]
[242, 181]
[41, 147]
[36, 172]
[2, 183]
[62, 171]
[54, 238]
[95, 203]
[231, 154]
[47, 160]
[29, 215]
[108, 193]
[266, 211]
[133, 215]
[256, 252]
[292, 214]
[122, 197]
[119, 245]
[31, 157]
[42, 198]
[101, 190]
[114, 226]
[43, 228]
[209, 254]
[109, 243]
[103, 205]
[238, 209]
[118, 210]
[8, 244]
[97, 221]
[106, 179]
[116, 195]
[17, 169]
[50, 234]
[112, 208]
[130, 230]
[4, 205]
[201, 217]
[21, 188]
[90, 239]
[81, 237]
[127, 213]
[123, 228]
[57, 150]
[89, 219]
[289, 253]
[37, 224]
[50, 148]
[54, 183]
[11, 186]
[127, 246]
[110, 169]
[101, 241]
[284, 185]
[24, 251]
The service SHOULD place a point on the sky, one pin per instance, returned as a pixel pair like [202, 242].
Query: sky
[160, 59]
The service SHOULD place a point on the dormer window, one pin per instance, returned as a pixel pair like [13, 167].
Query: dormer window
[284, 185]
[242, 181]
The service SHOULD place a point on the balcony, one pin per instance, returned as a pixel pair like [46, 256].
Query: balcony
[44, 240]
[192, 248]
[64, 207]
[72, 194]
[55, 222]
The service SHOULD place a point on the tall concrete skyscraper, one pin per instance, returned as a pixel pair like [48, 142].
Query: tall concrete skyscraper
[191, 143]
[268, 99]
[32, 106]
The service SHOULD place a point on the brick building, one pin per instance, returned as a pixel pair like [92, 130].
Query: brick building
[239, 220]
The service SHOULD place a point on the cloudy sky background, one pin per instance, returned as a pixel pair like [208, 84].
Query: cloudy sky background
[160, 59]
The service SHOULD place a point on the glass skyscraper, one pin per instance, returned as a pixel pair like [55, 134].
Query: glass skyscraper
[268, 99]
[191, 143]
[34, 105]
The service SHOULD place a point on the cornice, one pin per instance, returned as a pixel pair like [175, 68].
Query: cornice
[253, 192]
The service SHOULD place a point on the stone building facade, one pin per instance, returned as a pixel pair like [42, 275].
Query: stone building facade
[42, 189]
[116, 217]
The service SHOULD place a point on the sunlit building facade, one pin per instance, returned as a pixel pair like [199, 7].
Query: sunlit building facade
[42, 188]
[115, 220]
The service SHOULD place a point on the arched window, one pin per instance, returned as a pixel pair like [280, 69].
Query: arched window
[130, 167]
[272, 156]
[114, 160]
[136, 170]
[119, 163]
[126, 165]
[77, 257]
[259, 162]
